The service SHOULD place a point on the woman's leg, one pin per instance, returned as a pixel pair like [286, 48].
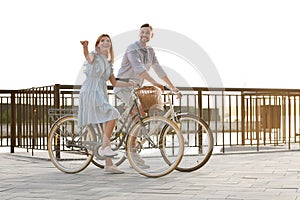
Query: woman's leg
[108, 162]
[109, 127]
[109, 167]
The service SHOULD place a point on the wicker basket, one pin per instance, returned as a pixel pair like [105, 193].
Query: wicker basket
[150, 98]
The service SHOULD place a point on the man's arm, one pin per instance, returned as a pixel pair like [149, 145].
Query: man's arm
[170, 84]
[161, 73]
[145, 75]
[172, 87]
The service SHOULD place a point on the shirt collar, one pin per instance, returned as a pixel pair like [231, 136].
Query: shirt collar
[138, 43]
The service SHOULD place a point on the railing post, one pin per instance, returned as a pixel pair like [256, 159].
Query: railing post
[56, 96]
[284, 114]
[200, 103]
[257, 128]
[56, 106]
[35, 126]
[200, 116]
[223, 120]
[13, 122]
[243, 117]
[289, 122]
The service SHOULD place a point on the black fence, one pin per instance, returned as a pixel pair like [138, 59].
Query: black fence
[241, 119]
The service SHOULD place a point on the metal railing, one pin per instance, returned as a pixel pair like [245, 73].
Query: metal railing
[241, 119]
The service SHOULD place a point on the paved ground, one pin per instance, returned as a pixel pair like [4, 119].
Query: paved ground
[241, 176]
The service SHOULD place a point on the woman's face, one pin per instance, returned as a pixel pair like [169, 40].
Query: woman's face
[104, 44]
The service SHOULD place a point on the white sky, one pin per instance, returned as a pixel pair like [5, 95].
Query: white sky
[253, 43]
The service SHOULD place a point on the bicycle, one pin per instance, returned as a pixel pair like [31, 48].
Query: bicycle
[156, 139]
[198, 137]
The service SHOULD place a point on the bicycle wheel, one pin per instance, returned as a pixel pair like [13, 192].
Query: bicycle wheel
[67, 145]
[116, 145]
[198, 142]
[148, 143]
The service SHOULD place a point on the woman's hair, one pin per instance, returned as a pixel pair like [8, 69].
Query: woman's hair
[111, 55]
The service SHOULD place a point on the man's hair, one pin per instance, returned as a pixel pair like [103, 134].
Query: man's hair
[147, 25]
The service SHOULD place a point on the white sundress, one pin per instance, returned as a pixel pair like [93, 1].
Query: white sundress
[94, 106]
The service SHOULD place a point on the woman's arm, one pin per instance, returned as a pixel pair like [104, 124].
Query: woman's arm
[116, 83]
[89, 57]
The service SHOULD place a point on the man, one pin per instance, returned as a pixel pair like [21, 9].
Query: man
[137, 61]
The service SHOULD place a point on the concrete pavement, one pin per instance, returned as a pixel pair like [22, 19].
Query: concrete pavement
[274, 176]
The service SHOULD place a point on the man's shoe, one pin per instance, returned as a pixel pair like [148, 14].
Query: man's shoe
[107, 152]
[112, 170]
[143, 166]
[137, 158]
[139, 161]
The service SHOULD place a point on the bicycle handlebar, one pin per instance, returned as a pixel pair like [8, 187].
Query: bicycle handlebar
[177, 93]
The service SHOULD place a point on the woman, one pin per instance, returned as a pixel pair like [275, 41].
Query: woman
[94, 107]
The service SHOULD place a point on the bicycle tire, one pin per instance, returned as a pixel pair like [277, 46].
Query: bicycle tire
[198, 139]
[169, 142]
[65, 145]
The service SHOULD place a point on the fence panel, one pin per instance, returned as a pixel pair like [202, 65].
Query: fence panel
[241, 119]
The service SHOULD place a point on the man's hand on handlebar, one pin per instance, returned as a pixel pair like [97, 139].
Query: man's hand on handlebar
[177, 92]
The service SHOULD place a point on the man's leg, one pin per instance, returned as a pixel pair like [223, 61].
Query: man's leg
[125, 96]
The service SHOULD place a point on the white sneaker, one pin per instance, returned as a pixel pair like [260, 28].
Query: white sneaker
[139, 161]
[113, 170]
[135, 156]
[143, 166]
[107, 152]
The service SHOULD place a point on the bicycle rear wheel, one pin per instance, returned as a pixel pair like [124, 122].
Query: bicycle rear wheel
[198, 142]
[149, 143]
[67, 145]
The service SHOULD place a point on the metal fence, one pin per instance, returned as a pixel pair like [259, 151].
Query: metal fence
[241, 119]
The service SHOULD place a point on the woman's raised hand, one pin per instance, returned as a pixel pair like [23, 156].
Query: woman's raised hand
[84, 43]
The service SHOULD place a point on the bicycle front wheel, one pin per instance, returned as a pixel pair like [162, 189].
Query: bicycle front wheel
[198, 142]
[67, 145]
[149, 143]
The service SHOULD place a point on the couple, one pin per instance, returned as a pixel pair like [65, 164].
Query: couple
[94, 107]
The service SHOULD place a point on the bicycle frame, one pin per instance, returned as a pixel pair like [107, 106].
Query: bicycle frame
[127, 121]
